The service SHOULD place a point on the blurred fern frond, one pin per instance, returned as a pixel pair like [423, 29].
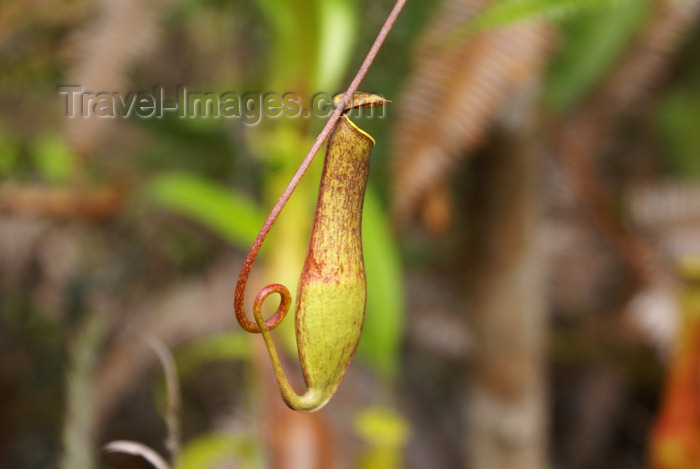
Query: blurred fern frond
[581, 142]
[453, 96]
[587, 138]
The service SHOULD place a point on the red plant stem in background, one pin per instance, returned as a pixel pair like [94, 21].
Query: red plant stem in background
[274, 213]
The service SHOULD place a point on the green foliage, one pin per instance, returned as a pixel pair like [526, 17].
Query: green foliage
[509, 11]
[54, 159]
[592, 43]
[336, 38]
[9, 154]
[209, 450]
[381, 336]
[313, 41]
[293, 27]
[678, 119]
[225, 212]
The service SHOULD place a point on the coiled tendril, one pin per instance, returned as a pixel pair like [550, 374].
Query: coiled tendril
[343, 102]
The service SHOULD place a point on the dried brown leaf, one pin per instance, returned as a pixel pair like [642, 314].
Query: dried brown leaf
[96, 203]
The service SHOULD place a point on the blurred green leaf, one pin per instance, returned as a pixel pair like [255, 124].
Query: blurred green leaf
[337, 37]
[9, 154]
[209, 450]
[678, 117]
[383, 329]
[505, 12]
[222, 210]
[294, 29]
[54, 159]
[592, 43]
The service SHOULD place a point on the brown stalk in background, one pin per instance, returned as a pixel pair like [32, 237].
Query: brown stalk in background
[456, 92]
[504, 386]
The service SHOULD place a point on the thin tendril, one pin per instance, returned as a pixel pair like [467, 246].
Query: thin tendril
[285, 301]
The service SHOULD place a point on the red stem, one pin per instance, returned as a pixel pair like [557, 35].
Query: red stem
[274, 213]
